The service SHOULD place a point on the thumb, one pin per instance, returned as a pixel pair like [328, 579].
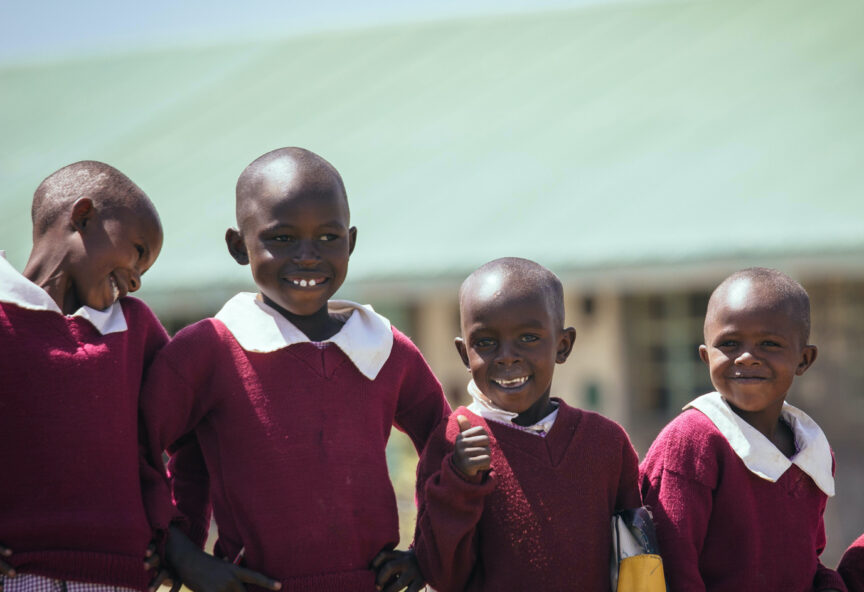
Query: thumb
[463, 422]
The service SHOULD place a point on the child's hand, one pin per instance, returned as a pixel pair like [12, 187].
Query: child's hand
[471, 454]
[163, 576]
[201, 572]
[396, 570]
[5, 568]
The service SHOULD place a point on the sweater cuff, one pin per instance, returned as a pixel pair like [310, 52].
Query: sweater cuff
[480, 484]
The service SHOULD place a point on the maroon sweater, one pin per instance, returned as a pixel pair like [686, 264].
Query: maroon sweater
[722, 528]
[70, 499]
[294, 443]
[852, 566]
[540, 520]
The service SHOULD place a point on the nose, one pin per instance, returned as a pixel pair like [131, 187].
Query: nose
[746, 358]
[134, 281]
[306, 254]
[507, 355]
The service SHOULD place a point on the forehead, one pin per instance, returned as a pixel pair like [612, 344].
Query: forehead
[496, 299]
[751, 306]
[294, 200]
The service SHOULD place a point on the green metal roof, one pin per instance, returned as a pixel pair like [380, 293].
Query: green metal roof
[612, 135]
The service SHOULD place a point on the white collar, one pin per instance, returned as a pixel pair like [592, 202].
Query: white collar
[758, 453]
[485, 408]
[18, 290]
[366, 338]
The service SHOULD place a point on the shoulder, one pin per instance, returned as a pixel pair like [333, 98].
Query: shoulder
[597, 425]
[204, 336]
[140, 318]
[402, 344]
[690, 445]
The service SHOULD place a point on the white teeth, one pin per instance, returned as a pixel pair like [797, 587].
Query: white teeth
[512, 382]
[115, 289]
[305, 283]
[312, 282]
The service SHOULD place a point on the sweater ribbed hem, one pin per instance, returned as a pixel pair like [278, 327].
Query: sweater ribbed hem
[357, 581]
[86, 566]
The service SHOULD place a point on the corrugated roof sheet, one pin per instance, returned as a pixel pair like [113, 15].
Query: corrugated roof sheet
[618, 135]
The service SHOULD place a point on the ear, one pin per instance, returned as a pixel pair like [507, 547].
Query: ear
[83, 211]
[236, 246]
[352, 239]
[565, 345]
[463, 351]
[808, 356]
[703, 353]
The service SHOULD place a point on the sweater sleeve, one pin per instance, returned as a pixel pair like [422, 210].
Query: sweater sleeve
[173, 402]
[422, 405]
[628, 482]
[851, 566]
[190, 487]
[449, 511]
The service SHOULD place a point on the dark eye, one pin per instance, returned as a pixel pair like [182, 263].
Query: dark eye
[529, 338]
[140, 250]
[281, 238]
[484, 342]
[727, 344]
[328, 237]
[770, 343]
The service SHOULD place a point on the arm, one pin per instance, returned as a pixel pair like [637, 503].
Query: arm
[628, 483]
[681, 509]
[450, 507]
[190, 487]
[826, 579]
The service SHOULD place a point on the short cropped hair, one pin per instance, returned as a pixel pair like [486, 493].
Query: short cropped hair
[534, 278]
[787, 291]
[101, 182]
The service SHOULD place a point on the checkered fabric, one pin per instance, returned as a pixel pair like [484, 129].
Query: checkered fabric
[36, 583]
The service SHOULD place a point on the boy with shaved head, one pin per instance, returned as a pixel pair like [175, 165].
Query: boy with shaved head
[74, 349]
[291, 396]
[739, 481]
[517, 490]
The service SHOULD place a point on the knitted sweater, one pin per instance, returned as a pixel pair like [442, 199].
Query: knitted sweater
[293, 441]
[852, 566]
[723, 528]
[540, 520]
[70, 499]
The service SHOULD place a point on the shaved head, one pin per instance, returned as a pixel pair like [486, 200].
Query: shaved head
[103, 184]
[776, 291]
[282, 173]
[518, 277]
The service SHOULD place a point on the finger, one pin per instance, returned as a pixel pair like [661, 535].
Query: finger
[480, 463]
[386, 573]
[475, 453]
[383, 557]
[417, 585]
[176, 585]
[253, 577]
[157, 581]
[476, 433]
[463, 422]
[398, 584]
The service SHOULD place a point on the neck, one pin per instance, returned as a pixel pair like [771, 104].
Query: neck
[766, 421]
[318, 326]
[46, 270]
[540, 409]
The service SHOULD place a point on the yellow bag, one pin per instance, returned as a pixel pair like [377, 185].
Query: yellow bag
[636, 563]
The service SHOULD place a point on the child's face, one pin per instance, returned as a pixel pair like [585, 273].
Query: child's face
[117, 248]
[511, 343]
[298, 246]
[754, 348]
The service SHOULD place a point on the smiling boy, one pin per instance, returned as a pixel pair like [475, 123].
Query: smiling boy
[517, 490]
[74, 351]
[739, 481]
[291, 397]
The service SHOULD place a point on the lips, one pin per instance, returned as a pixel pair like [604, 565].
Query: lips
[510, 383]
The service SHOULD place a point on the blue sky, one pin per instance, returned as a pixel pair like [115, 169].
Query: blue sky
[36, 31]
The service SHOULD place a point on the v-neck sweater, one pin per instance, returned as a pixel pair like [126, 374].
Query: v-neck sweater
[70, 499]
[722, 528]
[539, 520]
[294, 443]
[851, 567]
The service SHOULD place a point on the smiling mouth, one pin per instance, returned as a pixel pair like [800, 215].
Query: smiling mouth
[115, 288]
[307, 282]
[511, 383]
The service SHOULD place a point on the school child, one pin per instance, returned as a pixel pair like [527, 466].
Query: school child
[738, 482]
[74, 349]
[852, 566]
[517, 491]
[291, 397]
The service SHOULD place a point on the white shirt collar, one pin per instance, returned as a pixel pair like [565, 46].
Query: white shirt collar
[758, 453]
[18, 290]
[485, 408]
[366, 338]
